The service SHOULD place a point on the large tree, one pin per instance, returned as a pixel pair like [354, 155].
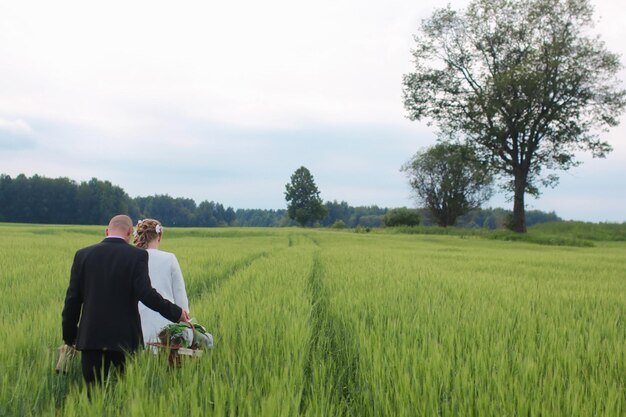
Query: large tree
[449, 181]
[304, 204]
[521, 81]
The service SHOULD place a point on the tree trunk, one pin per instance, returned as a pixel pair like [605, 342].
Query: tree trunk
[518, 221]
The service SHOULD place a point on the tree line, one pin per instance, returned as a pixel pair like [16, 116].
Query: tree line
[347, 216]
[39, 199]
[63, 201]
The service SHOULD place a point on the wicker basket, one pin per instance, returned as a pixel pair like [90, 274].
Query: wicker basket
[175, 351]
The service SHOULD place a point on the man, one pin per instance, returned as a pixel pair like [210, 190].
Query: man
[107, 281]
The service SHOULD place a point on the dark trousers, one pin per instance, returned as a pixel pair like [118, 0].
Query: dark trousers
[97, 364]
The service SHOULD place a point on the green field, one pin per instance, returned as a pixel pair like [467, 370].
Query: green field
[337, 323]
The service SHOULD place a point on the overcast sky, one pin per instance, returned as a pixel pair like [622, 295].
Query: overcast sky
[223, 101]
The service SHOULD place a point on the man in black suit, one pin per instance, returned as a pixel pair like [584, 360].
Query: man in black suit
[107, 281]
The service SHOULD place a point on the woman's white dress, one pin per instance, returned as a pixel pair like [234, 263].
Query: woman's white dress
[167, 279]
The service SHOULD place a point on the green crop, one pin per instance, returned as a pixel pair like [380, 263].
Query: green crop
[334, 323]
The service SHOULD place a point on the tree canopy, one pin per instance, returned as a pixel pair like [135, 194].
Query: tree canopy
[523, 82]
[304, 204]
[449, 181]
[402, 217]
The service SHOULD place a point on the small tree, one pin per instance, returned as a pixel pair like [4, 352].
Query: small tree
[304, 204]
[449, 181]
[402, 217]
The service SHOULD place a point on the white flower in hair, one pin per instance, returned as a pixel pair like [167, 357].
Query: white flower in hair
[158, 228]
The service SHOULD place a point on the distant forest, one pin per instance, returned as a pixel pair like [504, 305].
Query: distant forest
[39, 199]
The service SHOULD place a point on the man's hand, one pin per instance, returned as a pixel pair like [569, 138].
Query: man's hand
[184, 317]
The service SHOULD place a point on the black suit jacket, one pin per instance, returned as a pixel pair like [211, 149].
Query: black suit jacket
[106, 281]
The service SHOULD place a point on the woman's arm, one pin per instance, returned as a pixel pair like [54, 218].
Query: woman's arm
[178, 285]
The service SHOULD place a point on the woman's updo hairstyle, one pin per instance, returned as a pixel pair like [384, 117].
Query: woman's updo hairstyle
[147, 230]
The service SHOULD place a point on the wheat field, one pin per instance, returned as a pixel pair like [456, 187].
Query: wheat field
[336, 323]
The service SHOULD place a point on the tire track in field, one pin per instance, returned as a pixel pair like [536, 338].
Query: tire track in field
[331, 346]
[198, 287]
[292, 240]
[315, 240]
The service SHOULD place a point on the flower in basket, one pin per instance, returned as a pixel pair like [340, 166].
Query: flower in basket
[174, 335]
[189, 335]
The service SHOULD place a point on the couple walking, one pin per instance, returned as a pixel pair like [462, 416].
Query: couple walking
[111, 284]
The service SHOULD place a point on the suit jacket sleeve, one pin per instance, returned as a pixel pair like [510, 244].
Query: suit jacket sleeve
[149, 296]
[73, 304]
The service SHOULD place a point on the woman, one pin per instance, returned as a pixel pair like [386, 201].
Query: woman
[165, 275]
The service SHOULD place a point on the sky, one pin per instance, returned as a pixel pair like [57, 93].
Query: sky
[223, 101]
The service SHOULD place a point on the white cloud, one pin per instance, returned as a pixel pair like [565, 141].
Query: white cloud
[15, 127]
[15, 135]
[267, 64]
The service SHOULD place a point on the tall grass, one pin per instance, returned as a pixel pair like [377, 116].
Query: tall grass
[614, 232]
[320, 323]
[458, 327]
[562, 233]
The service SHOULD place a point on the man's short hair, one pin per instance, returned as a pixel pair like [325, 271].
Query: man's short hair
[120, 222]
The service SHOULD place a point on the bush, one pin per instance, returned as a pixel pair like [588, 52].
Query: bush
[402, 217]
[339, 224]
